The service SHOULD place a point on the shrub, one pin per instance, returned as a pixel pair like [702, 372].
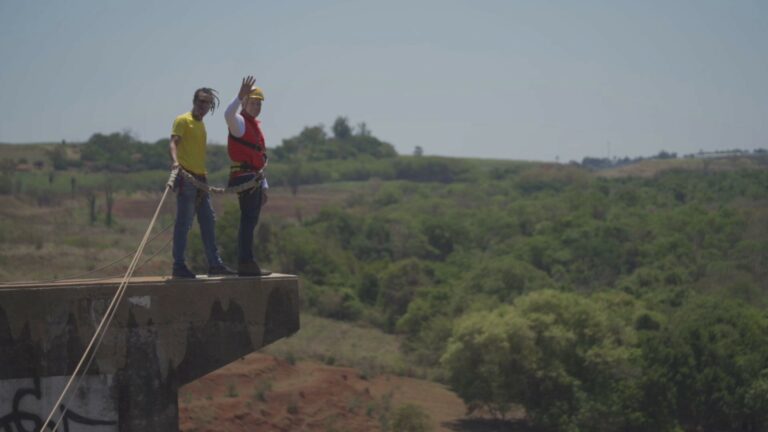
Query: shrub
[411, 418]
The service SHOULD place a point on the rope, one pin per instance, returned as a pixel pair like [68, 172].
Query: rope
[205, 187]
[98, 336]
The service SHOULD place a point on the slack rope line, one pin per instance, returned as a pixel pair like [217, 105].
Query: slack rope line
[98, 335]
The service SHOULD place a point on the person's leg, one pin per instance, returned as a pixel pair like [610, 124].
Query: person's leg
[207, 220]
[250, 208]
[185, 213]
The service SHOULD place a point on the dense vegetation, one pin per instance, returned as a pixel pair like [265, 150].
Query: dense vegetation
[622, 304]
[627, 304]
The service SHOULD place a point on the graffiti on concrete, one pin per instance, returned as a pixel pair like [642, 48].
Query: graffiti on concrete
[23, 400]
[146, 400]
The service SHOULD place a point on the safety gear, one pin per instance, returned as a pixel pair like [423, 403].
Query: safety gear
[249, 148]
[256, 93]
[252, 146]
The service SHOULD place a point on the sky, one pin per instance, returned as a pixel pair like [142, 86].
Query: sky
[525, 80]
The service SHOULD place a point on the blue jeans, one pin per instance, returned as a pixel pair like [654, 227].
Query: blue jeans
[188, 203]
[250, 208]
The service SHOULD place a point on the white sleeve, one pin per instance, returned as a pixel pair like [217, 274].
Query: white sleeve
[264, 183]
[235, 121]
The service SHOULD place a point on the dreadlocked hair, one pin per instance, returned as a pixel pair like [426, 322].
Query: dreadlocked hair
[212, 93]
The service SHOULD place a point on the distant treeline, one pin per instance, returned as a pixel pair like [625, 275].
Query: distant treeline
[313, 156]
[122, 152]
[604, 163]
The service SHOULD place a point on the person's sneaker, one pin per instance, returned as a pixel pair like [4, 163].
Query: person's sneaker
[182, 272]
[251, 269]
[221, 270]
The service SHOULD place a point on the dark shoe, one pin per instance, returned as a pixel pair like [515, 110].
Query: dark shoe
[182, 272]
[221, 270]
[251, 269]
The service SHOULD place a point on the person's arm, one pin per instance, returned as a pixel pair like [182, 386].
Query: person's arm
[175, 142]
[234, 120]
[177, 131]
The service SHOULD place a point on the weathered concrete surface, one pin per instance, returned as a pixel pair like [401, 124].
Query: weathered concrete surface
[166, 333]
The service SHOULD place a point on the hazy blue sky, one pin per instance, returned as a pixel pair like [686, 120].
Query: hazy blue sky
[500, 79]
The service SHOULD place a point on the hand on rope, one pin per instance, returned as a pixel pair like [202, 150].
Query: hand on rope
[172, 177]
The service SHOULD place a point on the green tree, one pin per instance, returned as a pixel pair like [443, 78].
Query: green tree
[707, 369]
[399, 283]
[341, 128]
[301, 145]
[570, 362]
[313, 144]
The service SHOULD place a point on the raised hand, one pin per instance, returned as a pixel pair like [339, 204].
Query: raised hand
[246, 86]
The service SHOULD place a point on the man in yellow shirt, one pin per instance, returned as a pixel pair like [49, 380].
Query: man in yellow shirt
[187, 147]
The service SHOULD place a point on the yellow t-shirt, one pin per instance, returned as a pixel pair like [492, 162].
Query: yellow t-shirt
[191, 150]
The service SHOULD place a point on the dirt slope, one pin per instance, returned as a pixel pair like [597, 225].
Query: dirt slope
[263, 393]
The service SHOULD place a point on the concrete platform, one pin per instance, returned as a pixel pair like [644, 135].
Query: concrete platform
[166, 333]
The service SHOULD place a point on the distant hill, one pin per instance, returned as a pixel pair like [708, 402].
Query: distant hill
[652, 167]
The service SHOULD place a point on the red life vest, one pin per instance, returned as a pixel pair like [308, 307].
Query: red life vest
[250, 148]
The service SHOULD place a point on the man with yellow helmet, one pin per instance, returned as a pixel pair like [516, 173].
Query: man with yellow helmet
[247, 150]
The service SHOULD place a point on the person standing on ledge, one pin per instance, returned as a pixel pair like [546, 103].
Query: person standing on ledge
[187, 147]
[248, 152]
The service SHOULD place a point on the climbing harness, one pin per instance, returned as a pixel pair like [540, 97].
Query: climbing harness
[205, 187]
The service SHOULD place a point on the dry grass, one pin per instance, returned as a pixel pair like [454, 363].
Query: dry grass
[341, 343]
[54, 239]
[57, 241]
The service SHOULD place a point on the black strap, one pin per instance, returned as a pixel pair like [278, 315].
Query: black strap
[245, 143]
[242, 166]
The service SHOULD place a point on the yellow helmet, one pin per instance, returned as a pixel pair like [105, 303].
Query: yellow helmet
[256, 93]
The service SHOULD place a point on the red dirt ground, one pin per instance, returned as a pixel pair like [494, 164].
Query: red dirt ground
[263, 393]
